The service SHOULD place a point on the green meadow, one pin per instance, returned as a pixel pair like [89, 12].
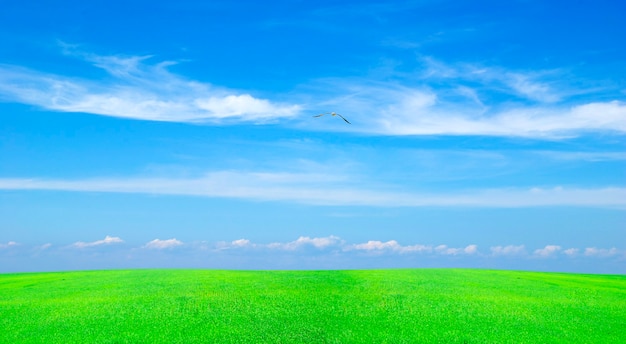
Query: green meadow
[357, 306]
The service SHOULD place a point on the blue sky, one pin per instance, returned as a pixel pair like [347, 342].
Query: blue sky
[483, 134]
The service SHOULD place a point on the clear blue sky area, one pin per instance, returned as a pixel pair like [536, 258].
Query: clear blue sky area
[483, 134]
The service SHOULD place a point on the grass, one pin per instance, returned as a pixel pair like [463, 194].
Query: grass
[369, 306]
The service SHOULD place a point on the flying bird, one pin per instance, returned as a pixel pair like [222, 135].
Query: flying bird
[332, 114]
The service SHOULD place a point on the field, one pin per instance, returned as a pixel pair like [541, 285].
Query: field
[368, 306]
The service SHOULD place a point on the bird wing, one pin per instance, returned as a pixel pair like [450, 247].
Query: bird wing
[320, 115]
[343, 118]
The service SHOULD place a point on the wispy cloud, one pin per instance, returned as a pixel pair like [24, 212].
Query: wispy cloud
[467, 99]
[536, 86]
[8, 245]
[108, 240]
[158, 244]
[582, 156]
[43, 247]
[440, 99]
[424, 112]
[301, 188]
[139, 90]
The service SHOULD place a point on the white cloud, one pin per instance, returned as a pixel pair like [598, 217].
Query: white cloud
[547, 251]
[471, 100]
[509, 250]
[106, 241]
[303, 241]
[452, 251]
[314, 189]
[583, 156]
[235, 244]
[331, 248]
[525, 86]
[571, 252]
[522, 121]
[601, 252]
[471, 249]
[8, 244]
[241, 243]
[376, 245]
[159, 244]
[534, 86]
[138, 91]
[375, 248]
[245, 106]
[44, 246]
[379, 247]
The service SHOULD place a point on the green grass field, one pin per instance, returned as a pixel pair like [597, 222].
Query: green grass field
[370, 306]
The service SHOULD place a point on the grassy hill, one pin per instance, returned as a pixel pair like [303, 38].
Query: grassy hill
[369, 306]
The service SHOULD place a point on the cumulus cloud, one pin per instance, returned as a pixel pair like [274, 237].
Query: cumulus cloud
[305, 241]
[571, 252]
[108, 240]
[241, 243]
[235, 244]
[445, 250]
[547, 251]
[158, 244]
[375, 246]
[137, 90]
[310, 250]
[379, 247]
[392, 247]
[509, 250]
[338, 244]
[470, 249]
[601, 252]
